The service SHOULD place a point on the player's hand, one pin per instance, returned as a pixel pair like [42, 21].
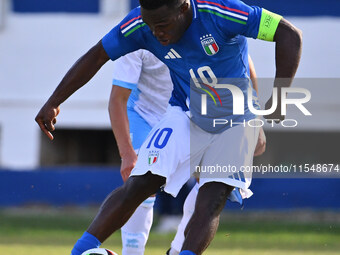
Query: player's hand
[128, 163]
[276, 115]
[46, 119]
[261, 144]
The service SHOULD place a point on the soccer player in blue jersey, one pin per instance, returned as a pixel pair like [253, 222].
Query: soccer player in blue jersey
[203, 42]
[139, 98]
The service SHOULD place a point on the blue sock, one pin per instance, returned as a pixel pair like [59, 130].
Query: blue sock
[187, 253]
[84, 243]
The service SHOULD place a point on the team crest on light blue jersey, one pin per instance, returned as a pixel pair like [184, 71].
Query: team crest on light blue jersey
[209, 45]
[153, 157]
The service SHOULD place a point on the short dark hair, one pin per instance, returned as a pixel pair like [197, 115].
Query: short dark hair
[155, 4]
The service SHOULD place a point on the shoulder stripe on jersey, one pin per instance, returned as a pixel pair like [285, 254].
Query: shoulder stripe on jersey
[223, 12]
[127, 23]
[223, 7]
[203, 6]
[132, 27]
[223, 16]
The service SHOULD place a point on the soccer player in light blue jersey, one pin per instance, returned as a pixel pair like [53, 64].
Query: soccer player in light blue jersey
[203, 42]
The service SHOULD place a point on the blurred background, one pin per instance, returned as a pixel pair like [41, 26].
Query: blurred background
[40, 40]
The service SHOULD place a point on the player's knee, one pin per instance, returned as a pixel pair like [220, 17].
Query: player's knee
[143, 186]
[212, 197]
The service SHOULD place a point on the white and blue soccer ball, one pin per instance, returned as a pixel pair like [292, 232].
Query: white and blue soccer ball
[99, 251]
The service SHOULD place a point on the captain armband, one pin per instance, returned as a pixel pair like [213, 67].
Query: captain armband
[268, 25]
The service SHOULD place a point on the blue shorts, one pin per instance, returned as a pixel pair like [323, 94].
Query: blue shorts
[139, 128]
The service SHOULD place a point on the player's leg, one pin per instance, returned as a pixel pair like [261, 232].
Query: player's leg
[163, 160]
[117, 209]
[121, 203]
[135, 231]
[188, 210]
[217, 186]
[204, 222]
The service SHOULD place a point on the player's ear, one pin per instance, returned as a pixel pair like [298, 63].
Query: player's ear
[184, 7]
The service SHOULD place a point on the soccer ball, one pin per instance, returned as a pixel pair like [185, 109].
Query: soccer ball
[99, 251]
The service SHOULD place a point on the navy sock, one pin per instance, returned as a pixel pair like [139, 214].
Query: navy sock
[86, 242]
[187, 253]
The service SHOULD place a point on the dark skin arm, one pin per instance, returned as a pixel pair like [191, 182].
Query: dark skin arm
[261, 141]
[288, 50]
[78, 75]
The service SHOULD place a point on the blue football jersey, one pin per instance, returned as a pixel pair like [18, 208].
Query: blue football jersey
[212, 51]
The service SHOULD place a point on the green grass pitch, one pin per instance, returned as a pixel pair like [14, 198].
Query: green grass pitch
[54, 233]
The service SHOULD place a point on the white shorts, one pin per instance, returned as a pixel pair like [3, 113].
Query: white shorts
[176, 147]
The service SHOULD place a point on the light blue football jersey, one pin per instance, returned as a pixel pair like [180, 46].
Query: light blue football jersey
[214, 45]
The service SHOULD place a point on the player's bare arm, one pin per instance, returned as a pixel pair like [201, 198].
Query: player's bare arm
[288, 50]
[261, 141]
[288, 40]
[78, 75]
[253, 76]
[120, 127]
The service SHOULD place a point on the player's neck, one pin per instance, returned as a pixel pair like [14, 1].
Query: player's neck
[189, 16]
